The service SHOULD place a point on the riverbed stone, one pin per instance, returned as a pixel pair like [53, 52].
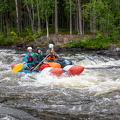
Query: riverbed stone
[18, 114]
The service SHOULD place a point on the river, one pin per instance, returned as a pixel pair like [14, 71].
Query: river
[92, 95]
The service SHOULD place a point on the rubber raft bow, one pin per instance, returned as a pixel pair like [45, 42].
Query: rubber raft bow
[55, 69]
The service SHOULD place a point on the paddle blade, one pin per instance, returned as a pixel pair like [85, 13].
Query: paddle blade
[17, 67]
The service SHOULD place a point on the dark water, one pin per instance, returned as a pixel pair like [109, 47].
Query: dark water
[93, 95]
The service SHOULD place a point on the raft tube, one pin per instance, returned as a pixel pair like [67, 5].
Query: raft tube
[70, 70]
[53, 71]
[74, 69]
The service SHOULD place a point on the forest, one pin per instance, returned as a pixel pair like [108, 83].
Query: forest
[30, 19]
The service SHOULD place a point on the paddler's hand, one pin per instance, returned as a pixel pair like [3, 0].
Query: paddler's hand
[57, 56]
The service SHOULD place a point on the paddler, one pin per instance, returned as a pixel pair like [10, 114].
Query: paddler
[29, 60]
[52, 55]
[38, 57]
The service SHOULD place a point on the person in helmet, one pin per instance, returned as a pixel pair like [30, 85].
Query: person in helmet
[38, 56]
[28, 59]
[52, 53]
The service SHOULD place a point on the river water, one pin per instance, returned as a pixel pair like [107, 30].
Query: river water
[92, 95]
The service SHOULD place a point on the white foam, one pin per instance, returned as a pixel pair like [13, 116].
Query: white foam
[88, 81]
[66, 68]
[98, 81]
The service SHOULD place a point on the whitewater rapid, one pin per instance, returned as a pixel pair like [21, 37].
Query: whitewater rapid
[63, 95]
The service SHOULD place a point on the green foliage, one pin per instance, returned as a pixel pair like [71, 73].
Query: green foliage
[66, 31]
[118, 44]
[105, 14]
[46, 8]
[8, 40]
[99, 16]
[4, 6]
[13, 34]
[26, 31]
[30, 35]
[51, 28]
[67, 8]
[99, 41]
[39, 32]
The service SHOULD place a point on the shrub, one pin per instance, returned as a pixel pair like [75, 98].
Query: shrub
[98, 41]
[8, 40]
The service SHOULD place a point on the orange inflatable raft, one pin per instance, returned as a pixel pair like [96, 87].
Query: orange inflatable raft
[55, 69]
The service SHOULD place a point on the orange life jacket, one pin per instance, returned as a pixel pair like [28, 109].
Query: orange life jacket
[52, 55]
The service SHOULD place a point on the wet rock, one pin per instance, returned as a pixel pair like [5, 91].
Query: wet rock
[112, 51]
[18, 114]
[57, 39]
[58, 48]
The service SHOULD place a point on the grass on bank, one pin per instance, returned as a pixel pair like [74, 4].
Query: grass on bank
[99, 41]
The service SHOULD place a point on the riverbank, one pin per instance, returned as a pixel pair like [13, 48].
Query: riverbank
[88, 42]
[43, 41]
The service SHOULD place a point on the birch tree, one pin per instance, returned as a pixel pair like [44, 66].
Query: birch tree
[56, 17]
[17, 17]
[38, 12]
[70, 17]
[70, 11]
[29, 4]
[79, 17]
[46, 10]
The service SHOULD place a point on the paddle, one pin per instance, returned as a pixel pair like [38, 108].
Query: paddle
[18, 67]
[41, 62]
[57, 55]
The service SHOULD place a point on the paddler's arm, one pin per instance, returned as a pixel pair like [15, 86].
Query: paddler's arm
[47, 52]
[26, 58]
[44, 55]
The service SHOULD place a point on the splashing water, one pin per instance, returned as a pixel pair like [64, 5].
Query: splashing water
[94, 94]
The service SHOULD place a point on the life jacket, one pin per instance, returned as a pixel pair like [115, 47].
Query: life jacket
[30, 58]
[39, 56]
[52, 55]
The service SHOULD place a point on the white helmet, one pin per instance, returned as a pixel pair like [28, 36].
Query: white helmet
[51, 46]
[29, 48]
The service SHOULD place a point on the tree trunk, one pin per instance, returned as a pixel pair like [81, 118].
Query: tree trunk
[1, 24]
[83, 24]
[7, 24]
[94, 24]
[31, 19]
[92, 20]
[77, 28]
[91, 26]
[39, 26]
[17, 17]
[47, 28]
[56, 17]
[33, 15]
[79, 18]
[20, 15]
[70, 17]
[108, 21]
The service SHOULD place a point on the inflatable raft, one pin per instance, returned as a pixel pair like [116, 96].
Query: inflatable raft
[55, 69]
